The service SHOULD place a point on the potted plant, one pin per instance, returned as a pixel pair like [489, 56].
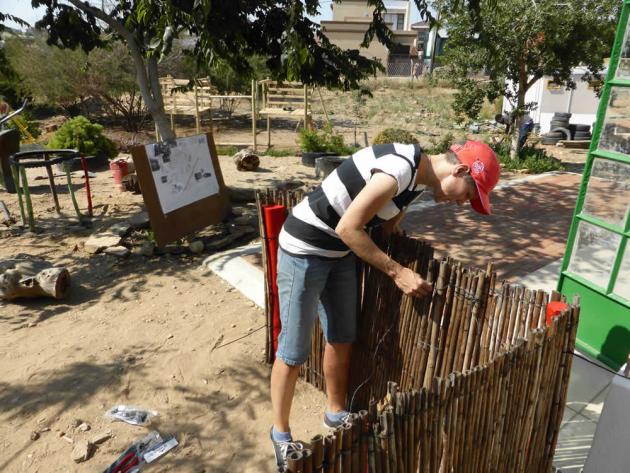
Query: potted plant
[317, 144]
[87, 138]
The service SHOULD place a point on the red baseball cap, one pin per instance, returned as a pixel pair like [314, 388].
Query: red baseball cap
[484, 169]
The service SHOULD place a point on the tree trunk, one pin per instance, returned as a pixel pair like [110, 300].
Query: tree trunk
[520, 106]
[516, 127]
[146, 69]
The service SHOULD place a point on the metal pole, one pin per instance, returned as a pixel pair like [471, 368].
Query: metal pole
[18, 191]
[71, 191]
[51, 180]
[27, 198]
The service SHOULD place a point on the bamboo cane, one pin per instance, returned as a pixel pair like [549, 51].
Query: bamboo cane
[317, 447]
[346, 448]
[330, 446]
[295, 462]
[307, 459]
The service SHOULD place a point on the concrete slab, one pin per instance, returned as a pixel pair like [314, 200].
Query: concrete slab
[574, 443]
[545, 278]
[244, 276]
[587, 385]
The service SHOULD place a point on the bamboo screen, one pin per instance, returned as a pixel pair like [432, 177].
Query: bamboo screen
[470, 379]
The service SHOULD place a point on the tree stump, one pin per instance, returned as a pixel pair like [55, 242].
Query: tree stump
[246, 160]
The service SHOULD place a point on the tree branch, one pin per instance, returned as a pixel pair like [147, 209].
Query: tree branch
[134, 48]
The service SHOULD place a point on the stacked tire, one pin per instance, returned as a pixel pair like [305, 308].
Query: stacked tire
[582, 132]
[552, 137]
[559, 130]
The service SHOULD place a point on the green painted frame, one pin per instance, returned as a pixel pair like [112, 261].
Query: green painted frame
[604, 330]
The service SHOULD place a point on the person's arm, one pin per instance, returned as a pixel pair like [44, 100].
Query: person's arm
[350, 229]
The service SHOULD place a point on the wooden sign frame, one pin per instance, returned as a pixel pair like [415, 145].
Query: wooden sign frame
[189, 218]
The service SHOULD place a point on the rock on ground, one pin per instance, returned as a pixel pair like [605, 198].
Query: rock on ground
[82, 451]
[99, 241]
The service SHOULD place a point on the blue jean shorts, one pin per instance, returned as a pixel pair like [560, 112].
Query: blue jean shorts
[310, 285]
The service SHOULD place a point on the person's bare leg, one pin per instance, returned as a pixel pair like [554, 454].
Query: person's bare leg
[336, 368]
[283, 379]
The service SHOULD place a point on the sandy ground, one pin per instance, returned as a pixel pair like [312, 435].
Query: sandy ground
[159, 332]
[152, 332]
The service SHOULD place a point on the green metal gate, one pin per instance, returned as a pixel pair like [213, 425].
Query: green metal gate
[597, 260]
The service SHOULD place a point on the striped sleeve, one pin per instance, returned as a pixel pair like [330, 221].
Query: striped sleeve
[396, 166]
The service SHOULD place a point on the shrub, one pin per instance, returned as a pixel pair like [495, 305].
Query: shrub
[442, 145]
[78, 133]
[394, 135]
[311, 140]
[531, 160]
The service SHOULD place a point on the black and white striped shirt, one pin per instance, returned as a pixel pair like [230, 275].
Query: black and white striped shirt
[310, 228]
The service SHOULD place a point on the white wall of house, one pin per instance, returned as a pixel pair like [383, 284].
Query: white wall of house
[582, 102]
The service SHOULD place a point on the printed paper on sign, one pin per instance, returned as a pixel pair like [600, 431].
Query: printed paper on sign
[183, 171]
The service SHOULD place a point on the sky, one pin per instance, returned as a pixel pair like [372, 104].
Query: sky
[23, 9]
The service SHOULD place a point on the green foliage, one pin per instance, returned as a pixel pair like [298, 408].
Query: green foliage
[394, 135]
[522, 41]
[441, 145]
[70, 78]
[311, 140]
[49, 74]
[294, 47]
[83, 136]
[227, 150]
[279, 153]
[10, 86]
[531, 160]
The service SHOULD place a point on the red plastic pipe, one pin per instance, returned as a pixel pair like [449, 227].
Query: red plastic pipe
[274, 217]
[554, 309]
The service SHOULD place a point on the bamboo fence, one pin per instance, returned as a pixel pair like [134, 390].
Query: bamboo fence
[470, 379]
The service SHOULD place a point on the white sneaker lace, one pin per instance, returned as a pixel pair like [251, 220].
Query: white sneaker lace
[288, 447]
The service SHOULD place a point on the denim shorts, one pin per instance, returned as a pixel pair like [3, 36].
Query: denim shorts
[310, 285]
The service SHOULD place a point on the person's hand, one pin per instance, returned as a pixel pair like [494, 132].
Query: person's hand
[392, 228]
[412, 283]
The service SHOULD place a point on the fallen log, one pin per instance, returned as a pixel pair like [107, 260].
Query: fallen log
[51, 282]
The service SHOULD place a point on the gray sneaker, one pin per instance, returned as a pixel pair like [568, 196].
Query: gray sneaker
[283, 449]
[333, 424]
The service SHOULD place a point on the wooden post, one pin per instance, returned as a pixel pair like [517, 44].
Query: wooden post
[254, 98]
[306, 107]
[268, 131]
[197, 108]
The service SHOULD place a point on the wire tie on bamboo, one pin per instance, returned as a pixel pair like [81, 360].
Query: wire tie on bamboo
[428, 346]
